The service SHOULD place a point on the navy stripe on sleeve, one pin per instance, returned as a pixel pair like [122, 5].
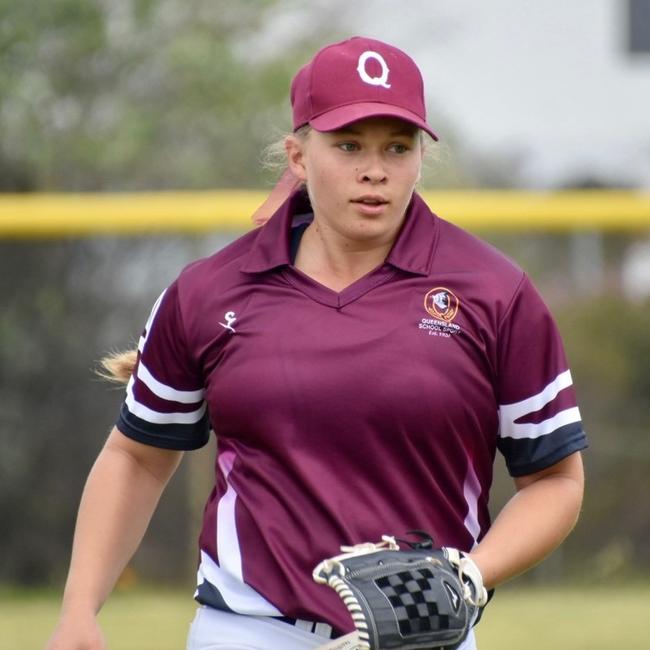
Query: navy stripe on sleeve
[182, 437]
[529, 455]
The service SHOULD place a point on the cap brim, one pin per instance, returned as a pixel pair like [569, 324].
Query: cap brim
[339, 117]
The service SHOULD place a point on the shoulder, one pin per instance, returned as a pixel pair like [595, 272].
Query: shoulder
[221, 269]
[458, 248]
[206, 288]
[493, 274]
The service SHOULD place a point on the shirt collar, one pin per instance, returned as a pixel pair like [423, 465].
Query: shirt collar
[412, 252]
[271, 247]
[415, 244]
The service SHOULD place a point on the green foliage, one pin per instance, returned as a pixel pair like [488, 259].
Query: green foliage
[139, 94]
[608, 342]
[609, 351]
[65, 304]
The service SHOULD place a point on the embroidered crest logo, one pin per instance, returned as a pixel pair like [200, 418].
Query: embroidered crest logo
[442, 303]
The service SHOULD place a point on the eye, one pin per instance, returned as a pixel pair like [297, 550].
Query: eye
[347, 146]
[398, 147]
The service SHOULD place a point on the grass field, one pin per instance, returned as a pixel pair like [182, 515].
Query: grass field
[517, 619]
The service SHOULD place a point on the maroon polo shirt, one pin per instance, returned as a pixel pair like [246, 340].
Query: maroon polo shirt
[344, 416]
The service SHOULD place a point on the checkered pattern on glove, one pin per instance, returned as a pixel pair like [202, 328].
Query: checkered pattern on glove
[410, 599]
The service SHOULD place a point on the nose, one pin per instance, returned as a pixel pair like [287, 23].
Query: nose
[373, 170]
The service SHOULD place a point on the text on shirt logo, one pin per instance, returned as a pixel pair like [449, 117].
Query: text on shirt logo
[230, 318]
[382, 80]
[442, 304]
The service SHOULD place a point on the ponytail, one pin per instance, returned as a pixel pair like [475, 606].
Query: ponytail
[118, 366]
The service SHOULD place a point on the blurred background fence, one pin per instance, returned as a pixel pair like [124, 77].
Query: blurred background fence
[119, 119]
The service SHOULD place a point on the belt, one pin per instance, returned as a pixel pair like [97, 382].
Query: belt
[321, 629]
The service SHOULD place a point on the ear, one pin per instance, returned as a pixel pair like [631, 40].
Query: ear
[295, 148]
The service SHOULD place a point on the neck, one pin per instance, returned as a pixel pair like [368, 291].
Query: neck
[336, 262]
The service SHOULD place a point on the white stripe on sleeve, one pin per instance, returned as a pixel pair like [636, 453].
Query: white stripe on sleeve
[167, 392]
[535, 430]
[149, 323]
[154, 417]
[508, 413]
[512, 412]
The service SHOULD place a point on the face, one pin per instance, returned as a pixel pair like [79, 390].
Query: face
[359, 179]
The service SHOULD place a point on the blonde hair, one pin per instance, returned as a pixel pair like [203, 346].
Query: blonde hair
[118, 367]
[274, 155]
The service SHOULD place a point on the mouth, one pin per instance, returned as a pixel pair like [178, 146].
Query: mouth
[371, 200]
[370, 205]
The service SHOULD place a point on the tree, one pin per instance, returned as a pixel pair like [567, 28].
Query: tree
[133, 94]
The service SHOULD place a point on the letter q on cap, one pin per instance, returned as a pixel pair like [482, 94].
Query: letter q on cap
[365, 77]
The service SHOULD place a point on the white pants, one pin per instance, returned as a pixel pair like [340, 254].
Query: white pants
[216, 630]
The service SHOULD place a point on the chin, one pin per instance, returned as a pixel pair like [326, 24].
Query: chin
[371, 230]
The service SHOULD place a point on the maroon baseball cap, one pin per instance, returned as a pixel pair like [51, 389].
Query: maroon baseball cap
[355, 79]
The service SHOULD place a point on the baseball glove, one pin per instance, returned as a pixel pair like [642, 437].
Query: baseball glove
[409, 599]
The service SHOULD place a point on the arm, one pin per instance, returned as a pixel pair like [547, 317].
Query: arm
[533, 523]
[119, 499]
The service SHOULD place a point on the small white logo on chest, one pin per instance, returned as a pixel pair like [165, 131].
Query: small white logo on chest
[230, 318]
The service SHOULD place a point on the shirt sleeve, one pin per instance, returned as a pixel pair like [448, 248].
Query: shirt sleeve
[539, 419]
[164, 404]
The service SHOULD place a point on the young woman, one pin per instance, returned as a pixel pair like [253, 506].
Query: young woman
[360, 361]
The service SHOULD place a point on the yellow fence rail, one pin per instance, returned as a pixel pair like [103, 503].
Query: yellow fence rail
[78, 215]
